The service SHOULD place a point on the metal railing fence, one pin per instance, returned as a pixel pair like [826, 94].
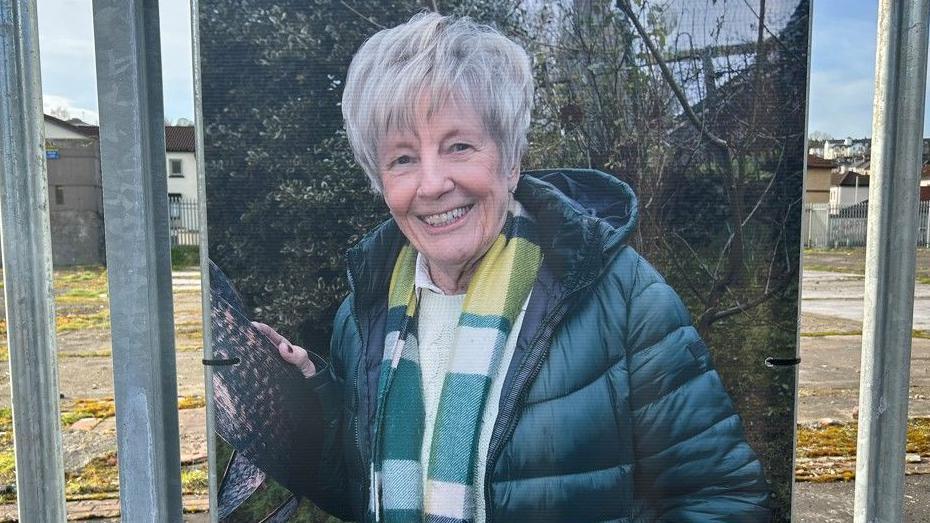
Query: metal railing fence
[828, 226]
[184, 222]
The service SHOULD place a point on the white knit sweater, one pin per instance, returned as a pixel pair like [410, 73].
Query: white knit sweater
[436, 322]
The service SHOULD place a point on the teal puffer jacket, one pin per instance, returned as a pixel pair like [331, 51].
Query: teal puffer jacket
[611, 410]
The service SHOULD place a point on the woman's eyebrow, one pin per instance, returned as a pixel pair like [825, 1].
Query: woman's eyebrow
[458, 132]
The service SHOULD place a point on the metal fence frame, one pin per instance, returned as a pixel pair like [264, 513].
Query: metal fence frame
[27, 269]
[828, 226]
[138, 245]
[135, 205]
[183, 222]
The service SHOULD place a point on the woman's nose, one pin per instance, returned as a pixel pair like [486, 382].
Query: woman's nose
[434, 179]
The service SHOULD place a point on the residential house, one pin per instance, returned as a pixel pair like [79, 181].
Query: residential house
[817, 183]
[847, 189]
[76, 195]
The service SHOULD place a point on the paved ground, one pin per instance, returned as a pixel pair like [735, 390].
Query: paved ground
[830, 352]
[840, 295]
[833, 502]
[829, 384]
[829, 377]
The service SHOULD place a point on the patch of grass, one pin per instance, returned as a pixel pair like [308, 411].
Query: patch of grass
[192, 329]
[99, 476]
[185, 257]
[189, 347]
[195, 480]
[86, 354]
[7, 467]
[840, 440]
[824, 334]
[73, 322]
[821, 334]
[831, 268]
[7, 459]
[6, 427]
[88, 408]
[191, 402]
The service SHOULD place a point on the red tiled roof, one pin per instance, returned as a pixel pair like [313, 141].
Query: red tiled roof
[178, 139]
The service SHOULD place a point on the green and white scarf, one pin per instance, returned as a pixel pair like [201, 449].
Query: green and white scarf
[499, 287]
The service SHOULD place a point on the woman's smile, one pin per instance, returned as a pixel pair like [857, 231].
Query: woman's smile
[442, 221]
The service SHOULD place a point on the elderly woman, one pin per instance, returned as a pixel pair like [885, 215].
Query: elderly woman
[503, 353]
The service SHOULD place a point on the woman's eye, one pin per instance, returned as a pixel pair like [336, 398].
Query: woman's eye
[459, 147]
[402, 160]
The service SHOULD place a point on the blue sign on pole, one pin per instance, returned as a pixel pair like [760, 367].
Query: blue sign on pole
[51, 154]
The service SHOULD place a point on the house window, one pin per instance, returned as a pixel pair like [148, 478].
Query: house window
[59, 195]
[175, 168]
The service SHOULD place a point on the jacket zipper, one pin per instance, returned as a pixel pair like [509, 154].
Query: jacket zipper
[360, 454]
[527, 373]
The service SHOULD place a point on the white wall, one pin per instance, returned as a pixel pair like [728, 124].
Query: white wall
[186, 184]
[54, 131]
[845, 196]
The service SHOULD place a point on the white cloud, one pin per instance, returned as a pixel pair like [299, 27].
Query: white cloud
[66, 43]
[65, 108]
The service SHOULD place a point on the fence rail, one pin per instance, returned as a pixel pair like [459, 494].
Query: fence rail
[184, 222]
[828, 226]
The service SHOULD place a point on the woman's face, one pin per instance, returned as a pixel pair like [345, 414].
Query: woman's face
[444, 186]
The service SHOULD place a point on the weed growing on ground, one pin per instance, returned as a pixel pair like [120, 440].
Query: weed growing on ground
[195, 480]
[840, 440]
[100, 476]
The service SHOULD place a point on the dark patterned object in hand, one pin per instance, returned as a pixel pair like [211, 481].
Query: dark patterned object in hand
[262, 405]
[240, 479]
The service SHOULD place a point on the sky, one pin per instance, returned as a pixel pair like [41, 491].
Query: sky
[66, 44]
[841, 80]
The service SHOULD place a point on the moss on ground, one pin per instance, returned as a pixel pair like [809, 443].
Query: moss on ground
[88, 408]
[195, 480]
[66, 322]
[840, 440]
[100, 476]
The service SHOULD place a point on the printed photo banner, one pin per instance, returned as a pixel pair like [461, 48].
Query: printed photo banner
[698, 105]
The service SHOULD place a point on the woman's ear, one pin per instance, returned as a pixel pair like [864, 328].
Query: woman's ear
[513, 178]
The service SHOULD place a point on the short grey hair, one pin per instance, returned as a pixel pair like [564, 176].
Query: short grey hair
[442, 58]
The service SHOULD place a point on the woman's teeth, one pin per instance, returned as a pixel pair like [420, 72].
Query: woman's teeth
[445, 218]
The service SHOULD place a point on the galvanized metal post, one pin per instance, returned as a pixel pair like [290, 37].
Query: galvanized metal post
[204, 256]
[27, 269]
[897, 130]
[135, 202]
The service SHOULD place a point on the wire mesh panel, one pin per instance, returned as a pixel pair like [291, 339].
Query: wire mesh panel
[696, 105]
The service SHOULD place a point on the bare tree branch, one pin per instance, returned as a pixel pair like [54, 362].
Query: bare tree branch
[714, 316]
[368, 19]
[624, 6]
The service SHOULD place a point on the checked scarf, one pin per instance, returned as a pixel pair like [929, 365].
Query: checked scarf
[500, 285]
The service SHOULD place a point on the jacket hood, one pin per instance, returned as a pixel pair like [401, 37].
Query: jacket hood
[584, 216]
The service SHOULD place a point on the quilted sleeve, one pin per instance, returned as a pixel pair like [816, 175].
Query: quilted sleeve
[326, 480]
[692, 461]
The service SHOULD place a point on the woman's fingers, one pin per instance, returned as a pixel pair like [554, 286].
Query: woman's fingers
[269, 332]
[290, 353]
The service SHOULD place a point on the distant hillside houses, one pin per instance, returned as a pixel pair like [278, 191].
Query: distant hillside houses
[839, 149]
[838, 172]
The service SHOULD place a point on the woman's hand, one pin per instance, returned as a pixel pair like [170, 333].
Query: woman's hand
[293, 354]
